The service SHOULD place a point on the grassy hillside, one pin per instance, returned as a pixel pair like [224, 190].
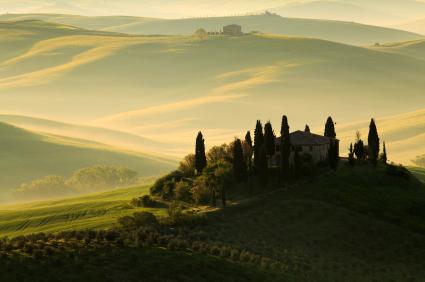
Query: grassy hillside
[344, 32]
[358, 224]
[414, 48]
[130, 83]
[118, 139]
[27, 155]
[418, 172]
[93, 211]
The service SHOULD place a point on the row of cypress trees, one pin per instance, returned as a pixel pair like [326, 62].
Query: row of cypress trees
[252, 155]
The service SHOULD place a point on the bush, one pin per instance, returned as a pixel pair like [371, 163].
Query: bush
[165, 186]
[183, 192]
[146, 219]
[144, 201]
[127, 222]
[200, 191]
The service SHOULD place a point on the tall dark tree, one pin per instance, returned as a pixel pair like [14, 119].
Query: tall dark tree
[200, 157]
[384, 157]
[333, 155]
[285, 148]
[258, 143]
[248, 150]
[373, 143]
[263, 168]
[351, 160]
[330, 128]
[239, 164]
[269, 139]
[359, 148]
[307, 128]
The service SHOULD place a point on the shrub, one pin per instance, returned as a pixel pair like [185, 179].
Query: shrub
[183, 192]
[200, 192]
[145, 201]
[146, 219]
[175, 212]
[127, 222]
[164, 187]
[187, 166]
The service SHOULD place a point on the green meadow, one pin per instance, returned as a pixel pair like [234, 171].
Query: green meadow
[94, 211]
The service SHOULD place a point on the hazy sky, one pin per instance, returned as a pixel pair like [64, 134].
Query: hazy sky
[377, 12]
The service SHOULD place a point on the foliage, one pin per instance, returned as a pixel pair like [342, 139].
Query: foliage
[47, 187]
[383, 157]
[285, 147]
[187, 165]
[373, 143]
[351, 160]
[200, 158]
[239, 161]
[269, 139]
[258, 143]
[359, 148]
[330, 128]
[165, 186]
[201, 34]
[102, 177]
[145, 201]
[219, 153]
[201, 190]
[183, 191]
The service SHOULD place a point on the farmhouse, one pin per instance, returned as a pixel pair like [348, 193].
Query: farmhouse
[232, 30]
[306, 142]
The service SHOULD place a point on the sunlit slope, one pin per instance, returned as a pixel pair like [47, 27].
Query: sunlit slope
[415, 48]
[404, 135]
[344, 32]
[168, 88]
[26, 155]
[114, 138]
[99, 210]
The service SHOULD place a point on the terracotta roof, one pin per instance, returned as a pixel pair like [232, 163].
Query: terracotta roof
[302, 138]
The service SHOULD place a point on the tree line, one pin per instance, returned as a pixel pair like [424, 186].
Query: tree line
[206, 176]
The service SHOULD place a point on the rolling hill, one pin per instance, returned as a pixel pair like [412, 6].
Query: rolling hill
[338, 31]
[130, 83]
[27, 155]
[415, 49]
[417, 26]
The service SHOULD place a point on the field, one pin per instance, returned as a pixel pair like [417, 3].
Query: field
[133, 84]
[28, 155]
[87, 212]
[358, 224]
[344, 32]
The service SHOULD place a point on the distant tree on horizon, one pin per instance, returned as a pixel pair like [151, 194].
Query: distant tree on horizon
[373, 142]
[201, 33]
[258, 143]
[200, 157]
[269, 139]
[285, 148]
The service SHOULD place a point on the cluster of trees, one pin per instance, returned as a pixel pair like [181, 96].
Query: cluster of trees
[360, 153]
[90, 179]
[207, 176]
[419, 161]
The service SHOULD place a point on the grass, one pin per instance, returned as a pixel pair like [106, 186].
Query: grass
[96, 211]
[27, 156]
[418, 172]
[345, 32]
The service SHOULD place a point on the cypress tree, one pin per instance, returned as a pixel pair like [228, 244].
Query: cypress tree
[248, 153]
[258, 143]
[269, 139]
[373, 143]
[200, 158]
[285, 148]
[263, 167]
[330, 128]
[239, 165]
[351, 155]
[384, 157]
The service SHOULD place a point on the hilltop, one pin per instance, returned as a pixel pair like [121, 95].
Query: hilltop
[358, 223]
[27, 155]
[338, 31]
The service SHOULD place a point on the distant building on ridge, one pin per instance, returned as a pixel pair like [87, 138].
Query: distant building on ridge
[232, 30]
